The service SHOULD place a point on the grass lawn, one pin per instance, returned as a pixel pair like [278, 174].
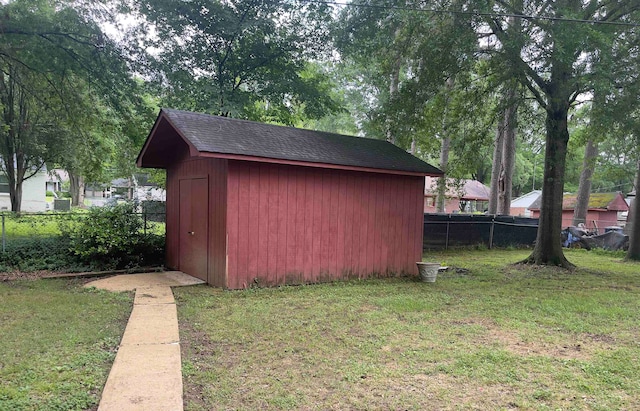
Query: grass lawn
[485, 336]
[57, 343]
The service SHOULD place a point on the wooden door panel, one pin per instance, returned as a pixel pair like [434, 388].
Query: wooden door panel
[194, 227]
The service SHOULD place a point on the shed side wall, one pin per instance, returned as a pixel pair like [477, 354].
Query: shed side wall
[216, 171]
[289, 224]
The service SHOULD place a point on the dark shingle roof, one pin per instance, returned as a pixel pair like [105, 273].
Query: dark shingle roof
[214, 134]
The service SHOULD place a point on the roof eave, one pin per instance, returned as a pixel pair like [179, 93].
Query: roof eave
[314, 164]
[162, 116]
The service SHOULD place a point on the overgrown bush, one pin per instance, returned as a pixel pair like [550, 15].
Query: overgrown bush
[37, 253]
[96, 239]
[114, 237]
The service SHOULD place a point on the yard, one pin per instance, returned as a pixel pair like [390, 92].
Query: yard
[486, 335]
[58, 342]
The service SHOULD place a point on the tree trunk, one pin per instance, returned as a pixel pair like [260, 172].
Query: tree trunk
[508, 153]
[16, 169]
[496, 165]
[584, 188]
[76, 188]
[15, 195]
[442, 181]
[393, 86]
[634, 233]
[504, 152]
[444, 154]
[548, 248]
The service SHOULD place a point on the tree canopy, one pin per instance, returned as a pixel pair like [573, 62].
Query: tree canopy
[248, 59]
[63, 84]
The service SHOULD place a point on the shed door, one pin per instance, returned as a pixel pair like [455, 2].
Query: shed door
[194, 227]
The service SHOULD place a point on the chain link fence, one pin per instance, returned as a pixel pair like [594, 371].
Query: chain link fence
[442, 231]
[459, 230]
[18, 226]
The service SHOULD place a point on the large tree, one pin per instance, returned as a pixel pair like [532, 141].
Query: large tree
[417, 72]
[55, 65]
[244, 58]
[554, 56]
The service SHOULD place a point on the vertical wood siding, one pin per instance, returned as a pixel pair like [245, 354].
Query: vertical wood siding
[289, 225]
[216, 171]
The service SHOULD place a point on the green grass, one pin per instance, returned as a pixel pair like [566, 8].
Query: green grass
[31, 226]
[57, 342]
[486, 335]
[46, 225]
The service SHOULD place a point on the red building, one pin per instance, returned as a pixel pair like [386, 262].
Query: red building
[256, 204]
[462, 196]
[602, 210]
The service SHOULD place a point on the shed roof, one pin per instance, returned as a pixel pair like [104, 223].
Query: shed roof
[223, 137]
[526, 200]
[597, 202]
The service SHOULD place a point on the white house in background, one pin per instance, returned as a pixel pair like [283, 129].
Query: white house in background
[33, 193]
[520, 206]
[55, 179]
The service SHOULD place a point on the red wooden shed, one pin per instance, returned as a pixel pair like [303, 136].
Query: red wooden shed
[257, 204]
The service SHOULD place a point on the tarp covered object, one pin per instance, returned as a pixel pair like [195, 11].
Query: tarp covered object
[611, 241]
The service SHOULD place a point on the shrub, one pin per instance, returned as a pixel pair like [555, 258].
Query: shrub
[37, 253]
[113, 236]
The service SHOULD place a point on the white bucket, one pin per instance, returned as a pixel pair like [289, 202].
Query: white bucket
[428, 271]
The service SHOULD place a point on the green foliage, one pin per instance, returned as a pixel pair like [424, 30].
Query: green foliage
[113, 236]
[29, 254]
[61, 75]
[242, 59]
[36, 242]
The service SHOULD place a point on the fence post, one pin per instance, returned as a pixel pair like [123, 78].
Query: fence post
[446, 241]
[493, 219]
[3, 236]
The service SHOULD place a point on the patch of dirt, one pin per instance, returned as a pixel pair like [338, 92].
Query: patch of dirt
[567, 347]
[19, 275]
[439, 391]
[568, 351]
[198, 343]
[36, 275]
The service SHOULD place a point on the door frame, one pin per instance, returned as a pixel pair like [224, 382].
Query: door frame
[181, 210]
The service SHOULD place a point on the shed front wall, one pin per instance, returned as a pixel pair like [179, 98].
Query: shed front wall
[289, 224]
[215, 170]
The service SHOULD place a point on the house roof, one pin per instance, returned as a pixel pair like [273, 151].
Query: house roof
[57, 175]
[526, 200]
[222, 137]
[597, 202]
[468, 190]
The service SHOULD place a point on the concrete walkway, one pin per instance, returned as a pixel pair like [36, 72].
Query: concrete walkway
[147, 371]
